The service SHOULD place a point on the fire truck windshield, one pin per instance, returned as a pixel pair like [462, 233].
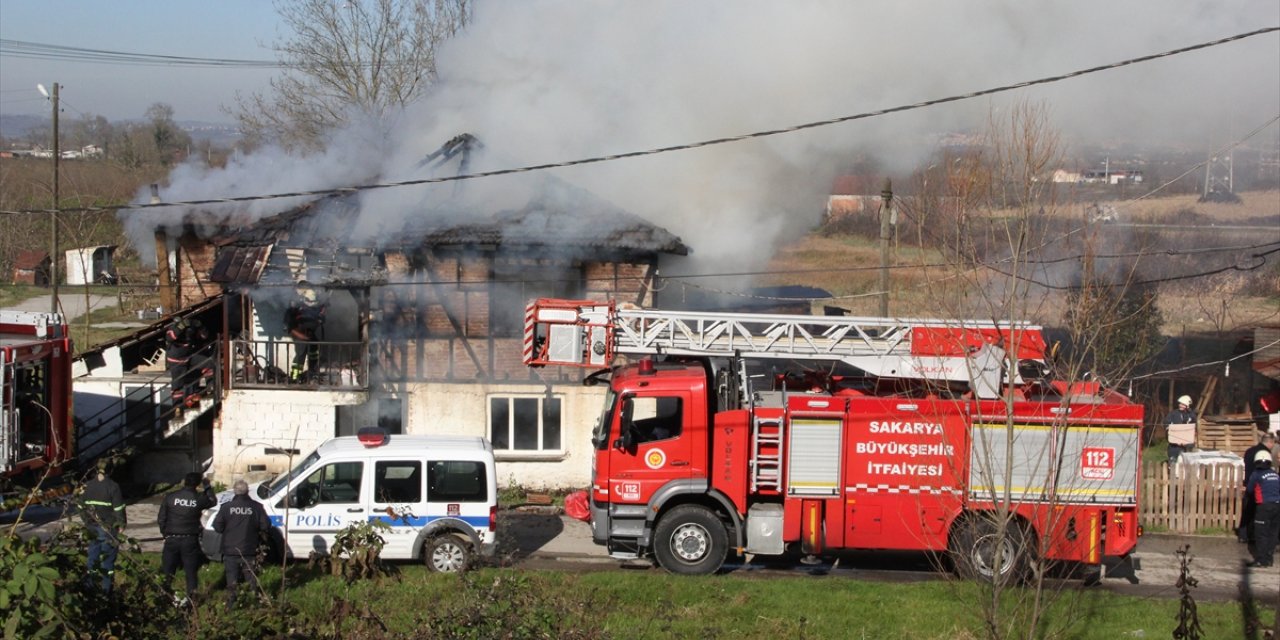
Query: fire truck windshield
[600, 434]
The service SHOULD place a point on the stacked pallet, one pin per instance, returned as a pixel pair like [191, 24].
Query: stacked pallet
[1227, 433]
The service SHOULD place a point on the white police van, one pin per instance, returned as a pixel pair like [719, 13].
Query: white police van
[438, 494]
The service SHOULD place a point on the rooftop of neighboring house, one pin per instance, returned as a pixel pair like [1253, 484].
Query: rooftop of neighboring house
[30, 259]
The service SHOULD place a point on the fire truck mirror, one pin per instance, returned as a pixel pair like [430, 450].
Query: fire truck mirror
[627, 441]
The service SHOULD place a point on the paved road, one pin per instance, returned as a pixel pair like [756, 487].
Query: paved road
[72, 302]
[544, 539]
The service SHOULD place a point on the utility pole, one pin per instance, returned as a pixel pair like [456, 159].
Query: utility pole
[886, 223]
[53, 234]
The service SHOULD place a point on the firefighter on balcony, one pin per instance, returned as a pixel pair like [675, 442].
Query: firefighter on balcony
[1264, 487]
[304, 320]
[182, 340]
[1181, 429]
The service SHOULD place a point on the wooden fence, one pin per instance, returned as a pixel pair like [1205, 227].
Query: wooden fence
[1191, 499]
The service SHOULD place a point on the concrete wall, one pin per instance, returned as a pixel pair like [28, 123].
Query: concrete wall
[254, 421]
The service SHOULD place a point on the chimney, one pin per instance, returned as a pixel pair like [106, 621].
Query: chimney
[168, 297]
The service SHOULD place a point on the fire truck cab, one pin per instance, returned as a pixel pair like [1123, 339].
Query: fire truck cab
[703, 455]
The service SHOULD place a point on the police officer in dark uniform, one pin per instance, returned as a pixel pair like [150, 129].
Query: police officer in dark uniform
[179, 522]
[240, 522]
[102, 509]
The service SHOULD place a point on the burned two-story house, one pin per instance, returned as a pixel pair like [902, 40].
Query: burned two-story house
[416, 330]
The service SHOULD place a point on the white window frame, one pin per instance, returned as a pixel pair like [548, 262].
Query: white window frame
[525, 454]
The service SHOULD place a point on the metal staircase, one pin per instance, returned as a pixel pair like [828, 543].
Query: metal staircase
[146, 419]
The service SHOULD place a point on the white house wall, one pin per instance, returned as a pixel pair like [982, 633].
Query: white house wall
[254, 421]
[463, 409]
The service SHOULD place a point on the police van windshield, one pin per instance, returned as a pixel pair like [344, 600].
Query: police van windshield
[600, 434]
[283, 481]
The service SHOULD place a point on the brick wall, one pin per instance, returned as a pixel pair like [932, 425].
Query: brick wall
[195, 261]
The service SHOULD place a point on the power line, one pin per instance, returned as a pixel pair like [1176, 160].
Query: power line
[1205, 364]
[704, 143]
[41, 51]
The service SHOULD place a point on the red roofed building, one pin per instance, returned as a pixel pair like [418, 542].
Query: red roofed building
[31, 267]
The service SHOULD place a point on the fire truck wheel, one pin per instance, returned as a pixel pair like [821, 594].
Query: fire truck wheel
[979, 553]
[691, 540]
[447, 553]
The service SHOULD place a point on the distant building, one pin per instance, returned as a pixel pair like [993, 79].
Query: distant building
[88, 265]
[1113, 176]
[1061, 176]
[853, 195]
[31, 268]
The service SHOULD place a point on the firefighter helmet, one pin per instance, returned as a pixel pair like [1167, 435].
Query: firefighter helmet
[1186, 400]
[1261, 457]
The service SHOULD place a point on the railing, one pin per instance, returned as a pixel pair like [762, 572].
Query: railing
[1188, 499]
[143, 415]
[278, 364]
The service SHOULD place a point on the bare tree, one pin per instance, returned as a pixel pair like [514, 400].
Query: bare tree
[169, 139]
[347, 59]
[995, 218]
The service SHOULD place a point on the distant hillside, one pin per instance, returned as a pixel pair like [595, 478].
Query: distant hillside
[17, 126]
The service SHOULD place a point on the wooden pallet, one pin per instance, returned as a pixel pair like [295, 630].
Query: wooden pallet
[1233, 437]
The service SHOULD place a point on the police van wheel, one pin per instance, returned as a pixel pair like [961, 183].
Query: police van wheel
[447, 554]
[690, 540]
[980, 552]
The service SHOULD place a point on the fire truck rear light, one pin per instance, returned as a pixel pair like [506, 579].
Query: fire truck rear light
[371, 436]
[818, 404]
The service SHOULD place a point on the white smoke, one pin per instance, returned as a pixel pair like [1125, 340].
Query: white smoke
[550, 81]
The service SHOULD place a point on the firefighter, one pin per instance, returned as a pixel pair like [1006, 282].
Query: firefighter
[179, 522]
[1181, 429]
[304, 320]
[102, 509]
[1264, 488]
[240, 522]
[1266, 440]
[182, 340]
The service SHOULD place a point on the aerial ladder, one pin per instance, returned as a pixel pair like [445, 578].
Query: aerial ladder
[590, 334]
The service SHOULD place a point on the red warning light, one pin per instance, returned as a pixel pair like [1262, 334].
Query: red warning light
[371, 436]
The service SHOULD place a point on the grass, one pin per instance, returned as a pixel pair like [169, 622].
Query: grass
[11, 294]
[653, 604]
[87, 332]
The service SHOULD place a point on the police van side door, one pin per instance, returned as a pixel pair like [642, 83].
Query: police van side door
[458, 489]
[399, 500]
[320, 504]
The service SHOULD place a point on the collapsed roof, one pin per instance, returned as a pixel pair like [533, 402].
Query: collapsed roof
[559, 218]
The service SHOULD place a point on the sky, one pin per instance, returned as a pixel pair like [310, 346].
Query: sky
[237, 29]
[541, 81]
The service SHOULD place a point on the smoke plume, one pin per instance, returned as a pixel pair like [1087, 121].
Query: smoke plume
[541, 82]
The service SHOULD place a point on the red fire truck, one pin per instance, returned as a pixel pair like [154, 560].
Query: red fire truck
[35, 408]
[809, 435]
